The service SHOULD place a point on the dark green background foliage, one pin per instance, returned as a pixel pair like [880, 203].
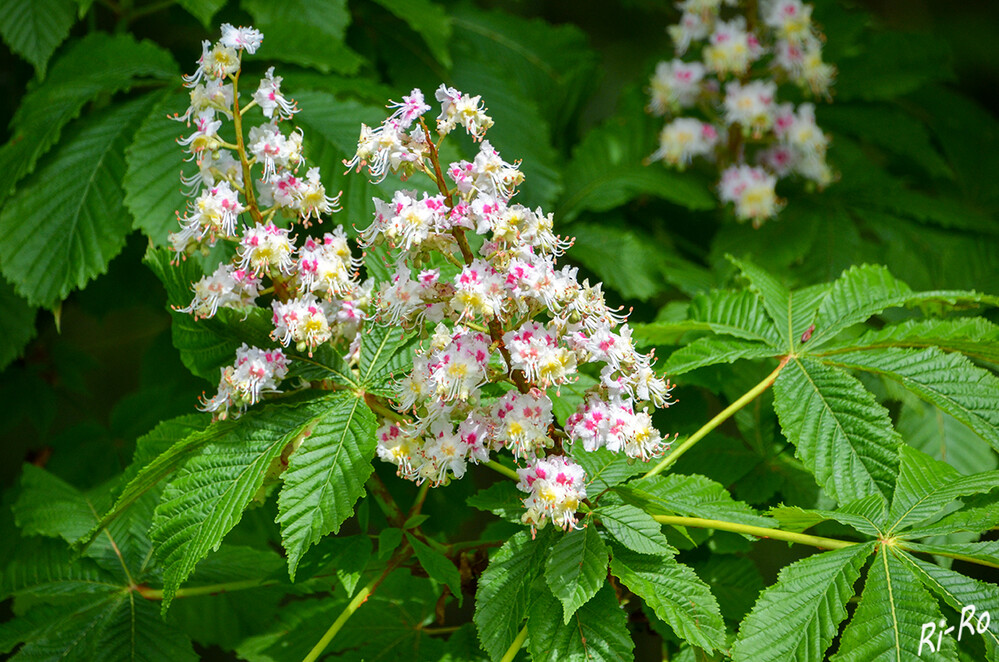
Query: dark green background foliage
[882, 426]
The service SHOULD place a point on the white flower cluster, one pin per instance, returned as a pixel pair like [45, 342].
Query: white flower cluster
[475, 274]
[752, 137]
[316, 296]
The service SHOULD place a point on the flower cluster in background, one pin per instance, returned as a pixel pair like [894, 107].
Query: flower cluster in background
[503, 325]
[252, 194]
[727, 71]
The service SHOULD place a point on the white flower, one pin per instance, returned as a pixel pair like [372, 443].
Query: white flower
[751, 190]
[248, 39]
[556, 487]
[268, 96]
[255, 371]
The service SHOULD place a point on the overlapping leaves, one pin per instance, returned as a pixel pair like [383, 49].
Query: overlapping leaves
[841, 432]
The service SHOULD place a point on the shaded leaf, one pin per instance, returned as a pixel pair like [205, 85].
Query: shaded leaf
[59, 231]
[597, 631]
[34, 28]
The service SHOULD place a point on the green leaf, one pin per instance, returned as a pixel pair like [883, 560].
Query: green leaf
[694, 496]
[438, 566]
[842, 434]
[972, 336]
[44, 568]
[962, 593]
[607, 170]
[891, 64]
[206, 345]
[34, 28]
[98, 63]
[17, 326]
[48, 506]
[161, 439]
[797, 618]
[153, 190]
[203, 10]
[597, 632]
[502, 499]
[740, 314]
[980, 513]
[889, 619]
[604, 468]
[734, 580]
[325, 474]
[206, 498]
[59, 230]
[712, 351]
[866, 515]
[382, 356]
[635, 529]
[600, 247]
[926, 486]
[504, 592]
[676, 594]
[576, 568]
[120, 626]
[949, 381]
[866, 290]
[775, 296]
[985, 551]
[427, 19]
[890, 128]
[553, 65]
[943, 437]
[306, 33]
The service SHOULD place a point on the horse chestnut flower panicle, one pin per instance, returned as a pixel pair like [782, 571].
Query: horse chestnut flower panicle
[508, 318]
[752, 138]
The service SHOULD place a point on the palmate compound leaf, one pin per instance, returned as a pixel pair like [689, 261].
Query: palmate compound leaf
[774, 295]
[888, 622]
[949, 381]
[505, 593]
[576, 568]
[62, 227]
[597, 632]
[842, 435]
[326, 474]
[676, 595]
[207, 496]
[797, 618]
[969, 597]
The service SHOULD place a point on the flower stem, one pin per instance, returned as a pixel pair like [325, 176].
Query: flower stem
[209, 589]
[758, 531]
[723, 416]
[237, 119]
[503, 469]
[515, 646]
[385, 501]
[357, 601]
